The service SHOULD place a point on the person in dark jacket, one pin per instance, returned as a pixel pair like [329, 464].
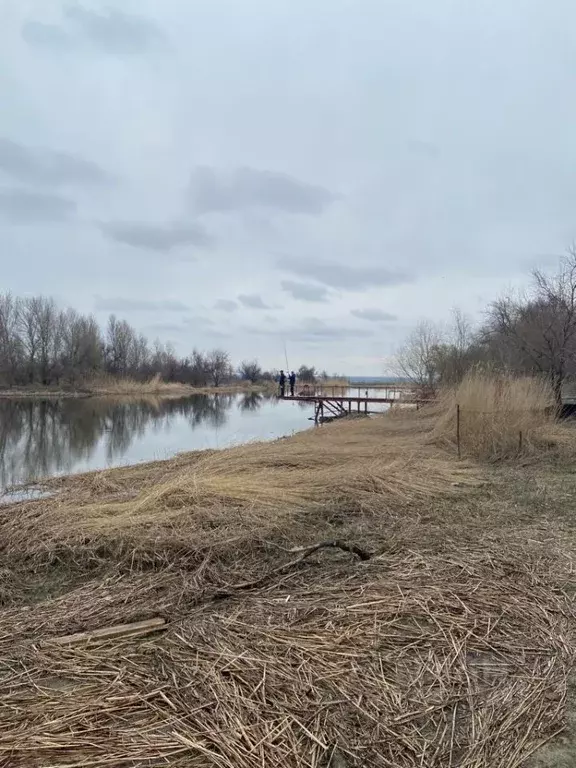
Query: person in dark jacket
[282, 383]
[292, 382]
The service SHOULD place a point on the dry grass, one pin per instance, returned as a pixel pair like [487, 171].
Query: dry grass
[500, 416]
[249, 491]
[111, 385]
[404, 661]
[451, 646]
[333, 382]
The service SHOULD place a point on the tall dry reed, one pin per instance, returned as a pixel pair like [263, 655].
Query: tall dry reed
[501, 416]
[111, 385]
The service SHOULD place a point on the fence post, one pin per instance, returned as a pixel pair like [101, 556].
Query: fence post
[458, 429]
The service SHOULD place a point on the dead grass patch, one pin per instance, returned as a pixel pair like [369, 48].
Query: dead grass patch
[451, 646]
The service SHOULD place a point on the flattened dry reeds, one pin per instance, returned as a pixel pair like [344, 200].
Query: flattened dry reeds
[257, 490]
[401, 661]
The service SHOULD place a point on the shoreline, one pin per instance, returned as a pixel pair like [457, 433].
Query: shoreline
[169, 390]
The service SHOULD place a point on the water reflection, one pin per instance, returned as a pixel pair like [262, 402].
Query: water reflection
[251, 401]
[48, 437]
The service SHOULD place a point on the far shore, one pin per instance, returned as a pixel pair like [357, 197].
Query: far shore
[132, 389]
[156, 388]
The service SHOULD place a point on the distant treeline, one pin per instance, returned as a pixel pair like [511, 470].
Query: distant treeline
[42, 344]
[532, 333]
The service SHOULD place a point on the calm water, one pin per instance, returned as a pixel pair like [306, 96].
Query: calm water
[41, 438]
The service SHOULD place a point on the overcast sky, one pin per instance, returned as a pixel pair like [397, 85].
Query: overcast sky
[254, 173]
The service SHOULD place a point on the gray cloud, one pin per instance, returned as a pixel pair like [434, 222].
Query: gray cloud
[312, 329]
[18, 206]
[226, 305]
[114, 31]
[374, 315]
[343, 276]
[246, 188]
[198, 320]
[47, 36]
[305, 291]
[122, 304]
[253, 301]
[110, 30]
[46, 167]
[156, 237]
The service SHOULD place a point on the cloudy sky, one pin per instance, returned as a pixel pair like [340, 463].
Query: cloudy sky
[315, 173]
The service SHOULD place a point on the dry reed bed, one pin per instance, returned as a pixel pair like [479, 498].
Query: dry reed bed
[403, 661]
[125, 387]
[254, 491]
[410, 659]
[112, 385]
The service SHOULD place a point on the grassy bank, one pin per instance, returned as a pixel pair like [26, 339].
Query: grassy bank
[351, 596]
[110, 386]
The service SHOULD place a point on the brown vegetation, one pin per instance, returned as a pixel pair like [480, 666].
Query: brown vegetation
[111, 386]
[501, 416]
[448, 642]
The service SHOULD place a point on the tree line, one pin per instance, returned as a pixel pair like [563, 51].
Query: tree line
[533, 332]
[42, 344]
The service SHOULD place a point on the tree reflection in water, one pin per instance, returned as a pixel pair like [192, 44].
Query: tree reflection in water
[39, 438]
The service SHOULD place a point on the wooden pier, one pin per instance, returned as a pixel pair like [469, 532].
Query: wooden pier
[336, 406]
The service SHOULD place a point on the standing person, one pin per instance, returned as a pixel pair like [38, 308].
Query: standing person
[292, 381]
[282, 383]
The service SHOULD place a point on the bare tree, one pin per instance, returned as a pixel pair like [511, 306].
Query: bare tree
[250, 370]
[306, 374]
[537, 332]
[138, 355]
[29, 335]
[11, 349]
[218, 366]
[120, 340]
[199, 369]
[82, 353]
[458, 351]
[40, 343]
[417, 360]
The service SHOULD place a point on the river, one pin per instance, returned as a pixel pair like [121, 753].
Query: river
[44, 438]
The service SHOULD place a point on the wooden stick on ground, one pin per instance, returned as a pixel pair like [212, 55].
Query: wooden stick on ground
[109, 633]
[303, 553]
